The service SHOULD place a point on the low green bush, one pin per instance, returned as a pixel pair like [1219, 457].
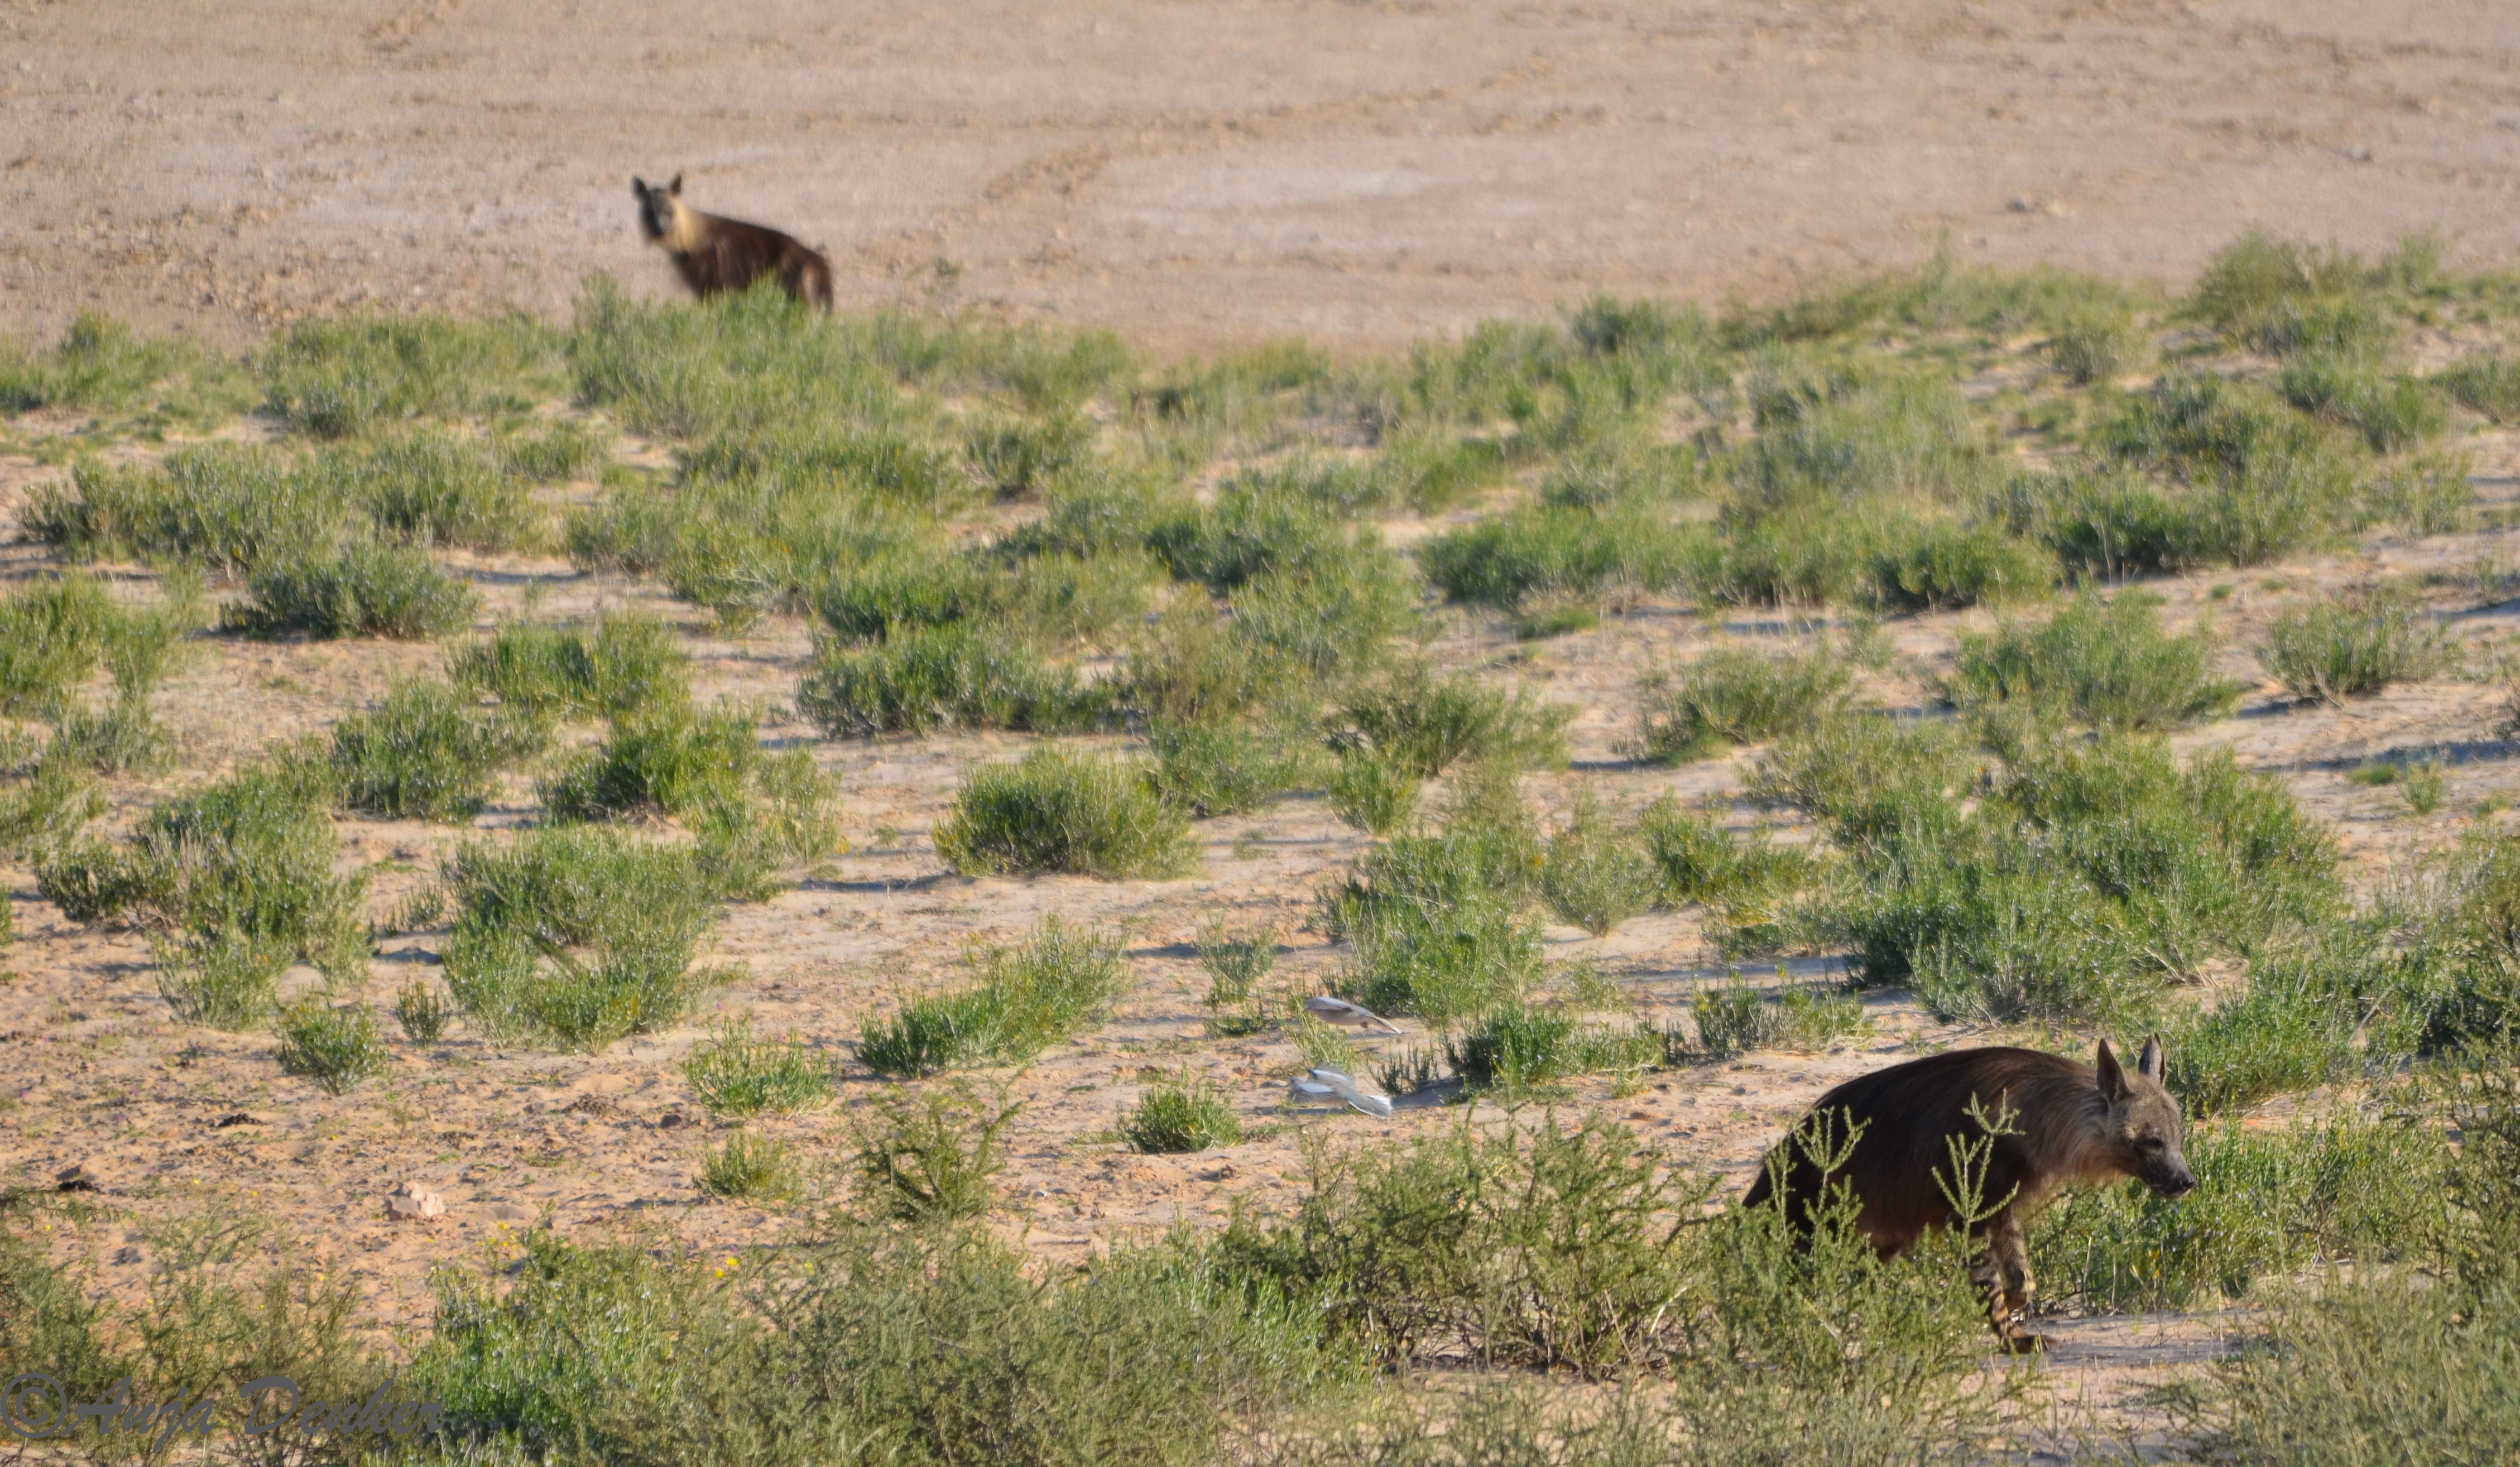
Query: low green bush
[1029, 997]
[1425, 722]
[560, 450]
[1727, 697]
[933, 1158]
[962, 676]
[750, 1168]
[426, 752]
[1212, 769]
[2354, 646]
[1944, 566]
[2110, 662]
[1734, 1017]
[1059, 811]
[1181, 1114]
[1437, 924]
[2095, 346]
[1236, 963]
[340, 376]
[2284, 297]
[434, 488]
[1595, 876]
[99, 366]
[574, 937]
[336, 1047]
[1699, 861]
[229, 509]
[735, 1074]
[2391, 413]
[2487, 383]
[626, 665]
[678, 760]
[369, 589]
[1520, 1046]
[1372, 792]
[422, 1013]
[1560, 550]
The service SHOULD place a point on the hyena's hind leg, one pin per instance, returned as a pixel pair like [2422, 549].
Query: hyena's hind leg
[2003, 1272]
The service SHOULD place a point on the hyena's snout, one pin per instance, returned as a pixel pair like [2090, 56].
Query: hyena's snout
[2171, 1179]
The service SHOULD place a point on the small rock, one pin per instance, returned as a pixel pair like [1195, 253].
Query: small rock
[669, 1120]
[234, 1118]
[509, 1211]
[412, 1200]
[1224, 1172]
[76, 1178]
[128, 1255]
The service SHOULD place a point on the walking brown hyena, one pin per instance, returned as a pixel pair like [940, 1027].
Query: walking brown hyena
[717, 254]
[2070, 1124]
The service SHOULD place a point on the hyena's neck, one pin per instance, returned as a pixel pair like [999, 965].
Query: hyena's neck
[682, 229]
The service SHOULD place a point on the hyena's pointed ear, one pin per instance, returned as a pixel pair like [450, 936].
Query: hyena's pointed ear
[2150, 1063]
[2113, 1081]
[638, 187]
[676, 187]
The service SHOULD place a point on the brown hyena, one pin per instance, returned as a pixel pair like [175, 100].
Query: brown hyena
[717, 254]
[2069, 1124]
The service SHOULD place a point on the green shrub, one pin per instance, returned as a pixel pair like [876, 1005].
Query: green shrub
[2391, 413]
[2487, 383]
[1015, 457]
[335, 1046]
[2081, 882]
[1945, 567]
[435, 489]
[422, 1013]
[1597, 877]
[1425, 722]
[632, 528]
[99, 365]
[2429, 494]
[1517, 1046]
[1729, 696]
[230, 508]
[563, 449]
[1244, 534]
[1030, 996]
[1438, 926]
[123, 737]
[2110, 662]
[2292, 1030]
[1558, 550]
[1058, 812]
[2357, 645]
[239, 871]
[1734, 1018]
[933, 1158]
[1372, 792]
[1185, 1113]
[2095, 346]
[1212, 769]
[1517, 1245]
[962, 676]
[628, 665]
[1235, 963]
[2282, 298]
[735, 1074]
[371, 590]
[226, 980]
[676, 760]
[576, 936]
[2327, 1188]
[750, 1169]
[426, 752]
[1699, 861]
[1325, 619]
[339, 376]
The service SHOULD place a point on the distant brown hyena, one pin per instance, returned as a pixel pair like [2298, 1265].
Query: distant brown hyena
[717, 254]
[2070, 1124]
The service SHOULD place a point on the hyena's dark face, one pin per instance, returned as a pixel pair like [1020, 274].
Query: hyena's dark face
[2144, 1122]
[656, 207]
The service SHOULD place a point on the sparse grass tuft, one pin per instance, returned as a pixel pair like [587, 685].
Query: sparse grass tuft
[1058, 812]
[966, 675]
[1517, 1046]
[1372, 792]
[628, 664]
[422, 1013]
[932, 1158]
[1728, 697]
[2487, 383]
[2354, 645]
[1734, 1018]
[1181, 1114]
[336, 1047]
[750, 1169]
[735, 1074]
[1212, 769]
[1595, 876]
[1236, 963]
[1425, 722]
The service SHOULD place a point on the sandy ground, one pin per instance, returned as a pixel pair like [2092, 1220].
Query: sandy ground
[1191, 176]
[1362, 172]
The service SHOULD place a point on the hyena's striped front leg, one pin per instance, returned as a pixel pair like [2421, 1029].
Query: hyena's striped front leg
[2003, 1272]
